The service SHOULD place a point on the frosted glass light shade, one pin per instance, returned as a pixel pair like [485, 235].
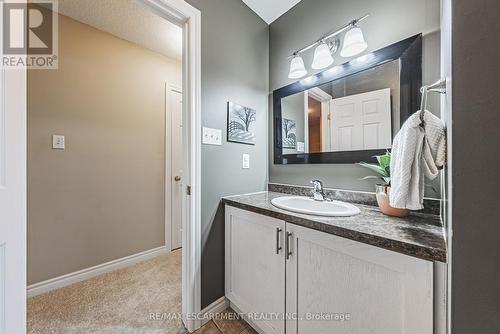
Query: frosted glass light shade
[354, 43]
[297, 68]
[322, 57]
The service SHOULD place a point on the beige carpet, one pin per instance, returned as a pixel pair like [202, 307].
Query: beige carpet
[118, 302]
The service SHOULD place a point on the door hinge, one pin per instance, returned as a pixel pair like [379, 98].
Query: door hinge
[188, 190]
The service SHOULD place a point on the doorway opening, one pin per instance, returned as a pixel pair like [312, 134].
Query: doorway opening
[114, 161]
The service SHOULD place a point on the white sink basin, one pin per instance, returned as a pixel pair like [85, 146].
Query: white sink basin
[309, 206]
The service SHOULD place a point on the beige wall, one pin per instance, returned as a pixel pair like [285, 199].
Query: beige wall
[103, 197]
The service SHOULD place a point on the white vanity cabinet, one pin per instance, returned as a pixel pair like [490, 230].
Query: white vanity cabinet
[318, 279]
[380, 291]
[255, 266]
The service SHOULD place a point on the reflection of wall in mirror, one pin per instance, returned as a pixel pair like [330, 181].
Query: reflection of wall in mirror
[292, 112]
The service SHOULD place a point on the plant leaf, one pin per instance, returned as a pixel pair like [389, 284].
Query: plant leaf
[377, 169]
[373, 177]
[384, 160]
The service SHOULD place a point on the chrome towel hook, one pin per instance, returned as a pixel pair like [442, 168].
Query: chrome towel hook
[438, 87]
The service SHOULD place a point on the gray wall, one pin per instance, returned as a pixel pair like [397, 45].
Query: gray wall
[235, 56]
[476, 182]
[390, 21]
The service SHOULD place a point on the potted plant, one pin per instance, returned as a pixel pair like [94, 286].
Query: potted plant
[383, 171]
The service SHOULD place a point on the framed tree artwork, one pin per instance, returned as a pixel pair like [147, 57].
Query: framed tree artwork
[289, 130]
[241, 124]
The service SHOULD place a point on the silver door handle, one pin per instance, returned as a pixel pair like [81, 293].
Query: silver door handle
[287, 245]
[278, 247]
[177, 178]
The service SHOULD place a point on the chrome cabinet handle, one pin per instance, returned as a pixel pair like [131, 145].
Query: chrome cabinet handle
[278, 247]
[287, 245]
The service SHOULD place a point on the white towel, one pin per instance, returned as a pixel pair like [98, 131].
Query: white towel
[416, 152]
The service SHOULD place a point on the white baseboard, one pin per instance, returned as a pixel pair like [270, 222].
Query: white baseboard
[217, 306]
[81, 275]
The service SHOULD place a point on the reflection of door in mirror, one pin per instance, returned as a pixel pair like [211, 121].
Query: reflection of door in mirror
[317, 119]
[305, 124]
[314, 125]
[361, 121]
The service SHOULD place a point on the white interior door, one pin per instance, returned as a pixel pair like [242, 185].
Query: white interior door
[361, 121]
[12, 201]
[176, 167]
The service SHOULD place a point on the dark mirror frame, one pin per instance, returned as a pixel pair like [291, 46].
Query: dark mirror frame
[409, 51]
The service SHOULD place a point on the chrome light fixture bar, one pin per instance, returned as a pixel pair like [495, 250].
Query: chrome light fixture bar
[353, 44]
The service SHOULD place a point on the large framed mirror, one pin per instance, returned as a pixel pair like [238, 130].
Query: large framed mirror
[351, 112]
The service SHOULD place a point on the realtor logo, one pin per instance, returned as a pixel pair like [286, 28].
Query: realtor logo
[29, 34]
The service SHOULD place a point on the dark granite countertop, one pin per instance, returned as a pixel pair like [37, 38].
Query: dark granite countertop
[418, 235]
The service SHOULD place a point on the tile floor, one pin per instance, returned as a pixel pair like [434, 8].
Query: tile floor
[226, 325]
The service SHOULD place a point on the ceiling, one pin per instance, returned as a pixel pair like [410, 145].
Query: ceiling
[270, 10]
[127, 20]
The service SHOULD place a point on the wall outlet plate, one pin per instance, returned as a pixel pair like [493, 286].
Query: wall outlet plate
[58, 142]
[211, 136]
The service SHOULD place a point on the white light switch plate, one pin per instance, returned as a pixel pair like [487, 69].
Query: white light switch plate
[246, 161]
[58, 142]
[212, 136]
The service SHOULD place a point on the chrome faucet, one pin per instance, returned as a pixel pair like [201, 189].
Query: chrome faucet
[318, 194]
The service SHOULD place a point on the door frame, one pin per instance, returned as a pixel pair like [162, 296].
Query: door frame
[169, 88]
[189, 19]
[13, 180]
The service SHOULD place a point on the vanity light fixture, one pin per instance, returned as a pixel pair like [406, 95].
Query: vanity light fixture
[297, 68]
[323, 54]
[326, 46]
[354, 42]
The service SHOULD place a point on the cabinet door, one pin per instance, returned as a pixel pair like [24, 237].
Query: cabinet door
[380, 291]
[255, 267]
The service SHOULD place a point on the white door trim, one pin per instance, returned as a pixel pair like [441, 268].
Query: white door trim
[306, 122]
[12, 197]
[168, 167]
[319, 94]
[189, 18]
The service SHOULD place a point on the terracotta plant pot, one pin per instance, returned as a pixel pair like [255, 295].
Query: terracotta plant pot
[382, 193]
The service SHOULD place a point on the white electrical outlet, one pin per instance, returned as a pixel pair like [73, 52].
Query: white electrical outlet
[212, 136]
[246, 161]
[58, 142]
